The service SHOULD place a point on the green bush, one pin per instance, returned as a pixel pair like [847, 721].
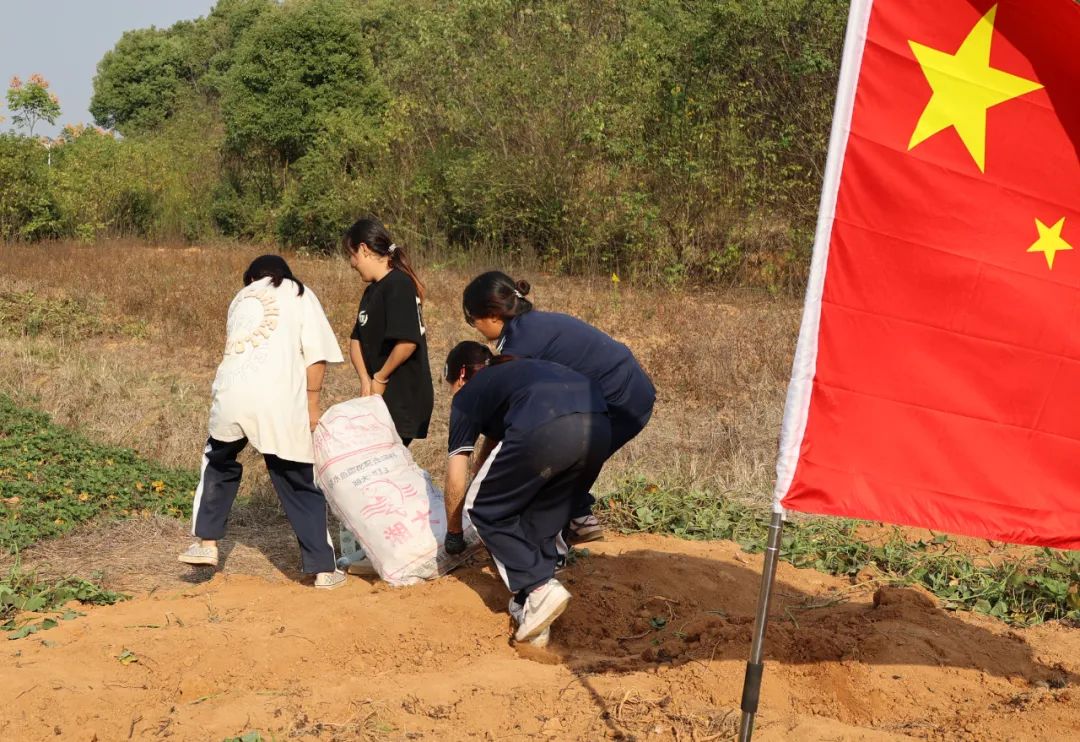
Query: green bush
[661, 139]
[28, 208]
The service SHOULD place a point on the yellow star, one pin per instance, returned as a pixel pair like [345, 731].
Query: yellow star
[964, 86]
[1050, 241]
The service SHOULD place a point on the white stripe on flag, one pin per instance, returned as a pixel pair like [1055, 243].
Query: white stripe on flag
[797, 406]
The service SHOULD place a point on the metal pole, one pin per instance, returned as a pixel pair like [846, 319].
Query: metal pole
[755, 667]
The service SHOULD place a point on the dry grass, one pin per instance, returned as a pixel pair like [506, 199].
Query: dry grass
[138, 555]
[720, 360]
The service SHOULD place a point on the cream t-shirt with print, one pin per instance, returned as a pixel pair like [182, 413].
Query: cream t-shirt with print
[260, 392]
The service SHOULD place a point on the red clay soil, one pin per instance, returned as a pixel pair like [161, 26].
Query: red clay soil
[652, 647]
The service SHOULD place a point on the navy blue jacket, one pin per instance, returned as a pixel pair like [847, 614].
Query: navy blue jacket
[568, 341]
[515, 398]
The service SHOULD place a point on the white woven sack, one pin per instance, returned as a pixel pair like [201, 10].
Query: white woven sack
[380, 495]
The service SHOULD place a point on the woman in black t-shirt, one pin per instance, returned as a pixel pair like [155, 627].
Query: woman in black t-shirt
[388, 348]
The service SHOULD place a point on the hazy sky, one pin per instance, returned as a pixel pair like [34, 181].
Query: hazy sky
[65, 39]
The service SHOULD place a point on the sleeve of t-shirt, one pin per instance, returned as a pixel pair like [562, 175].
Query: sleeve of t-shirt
[317, 339]
[355, 335]
[402, 312]
[463, 432]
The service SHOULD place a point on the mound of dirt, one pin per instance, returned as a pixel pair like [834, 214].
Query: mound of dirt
[652, 647]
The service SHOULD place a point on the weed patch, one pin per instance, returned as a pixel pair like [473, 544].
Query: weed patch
[52, 479]
[25, 592]
[24, 313]
[1041, 586]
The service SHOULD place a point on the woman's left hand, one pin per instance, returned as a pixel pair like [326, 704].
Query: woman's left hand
[314, 413]
[377, 387]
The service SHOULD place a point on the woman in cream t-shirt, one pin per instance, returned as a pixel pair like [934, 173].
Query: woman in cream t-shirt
[266, 392]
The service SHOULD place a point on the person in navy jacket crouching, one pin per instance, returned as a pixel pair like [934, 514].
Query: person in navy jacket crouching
[550, 435]
[497, 307]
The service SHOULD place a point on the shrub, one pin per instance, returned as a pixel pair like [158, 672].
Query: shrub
[667, 140]
[28, 208]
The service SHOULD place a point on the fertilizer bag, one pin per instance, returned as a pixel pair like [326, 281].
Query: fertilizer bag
[387, 502]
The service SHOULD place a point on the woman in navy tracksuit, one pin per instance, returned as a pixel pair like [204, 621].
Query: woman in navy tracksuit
[551, 435]
[496, 306]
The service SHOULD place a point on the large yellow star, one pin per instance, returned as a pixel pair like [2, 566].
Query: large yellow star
[964, 86]
[1050, 241]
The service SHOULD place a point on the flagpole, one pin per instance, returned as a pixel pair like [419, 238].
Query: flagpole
[755, 667]
[803, 367]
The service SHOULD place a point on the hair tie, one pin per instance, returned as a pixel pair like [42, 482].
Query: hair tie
[518, 294]
[390, 250]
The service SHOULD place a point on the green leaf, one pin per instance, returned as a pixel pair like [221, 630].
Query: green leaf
[24, 632]
[33, 604]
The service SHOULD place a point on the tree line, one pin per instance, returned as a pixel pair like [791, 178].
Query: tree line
[660, 139]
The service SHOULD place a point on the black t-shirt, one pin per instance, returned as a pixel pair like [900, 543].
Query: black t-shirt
[567, 340]
[515, 398]
[390, 312]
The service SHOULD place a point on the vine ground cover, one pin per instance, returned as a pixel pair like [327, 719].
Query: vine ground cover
[1039, 585]
[53, 479]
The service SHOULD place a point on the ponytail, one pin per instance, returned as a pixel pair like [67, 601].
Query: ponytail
[495, 294]
[370, 231]
[400, 262]
[465, 359]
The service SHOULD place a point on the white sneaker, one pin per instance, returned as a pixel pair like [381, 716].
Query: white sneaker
[544, 604]
[329, 580]
[542, 638]
[200, 555]
[584, 529]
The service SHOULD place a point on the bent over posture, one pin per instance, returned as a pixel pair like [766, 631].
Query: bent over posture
[267, 393]
[496, 306]
[551, 435]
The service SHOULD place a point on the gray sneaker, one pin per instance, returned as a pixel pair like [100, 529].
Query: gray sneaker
[200, 555]
[584, 529]
[544, 604]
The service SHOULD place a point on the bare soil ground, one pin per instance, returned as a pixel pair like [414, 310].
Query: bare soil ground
[652, 647]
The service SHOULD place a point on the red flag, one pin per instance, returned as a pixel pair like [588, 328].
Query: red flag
[937, 377]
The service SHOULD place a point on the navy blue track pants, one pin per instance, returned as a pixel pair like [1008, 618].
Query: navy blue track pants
[294, 482]
[523, 494]
[624, 428]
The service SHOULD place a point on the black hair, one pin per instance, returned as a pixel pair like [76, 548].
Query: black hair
[371, 232]
[273, 267]
[470, 356]
[495, 294]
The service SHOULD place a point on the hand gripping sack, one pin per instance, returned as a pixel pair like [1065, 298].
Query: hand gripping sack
[380, 495]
